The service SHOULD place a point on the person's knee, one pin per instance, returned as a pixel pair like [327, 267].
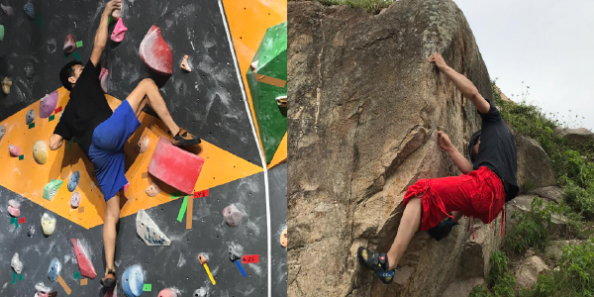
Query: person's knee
[147, 83]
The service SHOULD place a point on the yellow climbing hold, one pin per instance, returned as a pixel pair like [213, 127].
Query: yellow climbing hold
[40, 152]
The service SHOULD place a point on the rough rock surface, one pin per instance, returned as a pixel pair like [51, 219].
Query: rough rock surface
[551, 193]
[477, 252]
[528, 271]
[363, 122]
[462, 287]
[576, 135]
[522, 204]
[534, 166]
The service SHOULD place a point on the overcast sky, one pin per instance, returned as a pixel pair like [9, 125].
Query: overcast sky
[549, 45]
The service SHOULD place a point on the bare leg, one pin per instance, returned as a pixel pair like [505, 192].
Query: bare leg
[112, 216]
[147, 91]
[140, 108]
[411, 219]
[457, 216]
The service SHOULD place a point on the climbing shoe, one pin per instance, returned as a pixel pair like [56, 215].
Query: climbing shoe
[185, 138]
[109, 281]
[442, 230]
[376, 262]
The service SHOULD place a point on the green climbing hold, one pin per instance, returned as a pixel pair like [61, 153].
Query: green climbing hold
[1, 32]
[51, 189]
[267, 79]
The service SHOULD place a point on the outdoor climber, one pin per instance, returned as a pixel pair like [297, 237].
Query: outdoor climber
[101, 133]
[480, 192]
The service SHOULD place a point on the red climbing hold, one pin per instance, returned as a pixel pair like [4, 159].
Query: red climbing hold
[69, 44]
[155, 52]
[119, 31]
[84, 263]
[176, 167]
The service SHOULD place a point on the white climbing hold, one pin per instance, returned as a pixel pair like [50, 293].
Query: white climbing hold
[41, 287]
[48, 223]
[75, 200]
[2, 131]
[143, 144]
[16, 263]
[232, 215]
[40, 152]
[200, 293]
[152, 190]
[149, 232]
[14, 203]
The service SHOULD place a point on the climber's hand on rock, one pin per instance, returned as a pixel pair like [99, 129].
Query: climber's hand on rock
[438, 60]
[444, 141]
[112, 5]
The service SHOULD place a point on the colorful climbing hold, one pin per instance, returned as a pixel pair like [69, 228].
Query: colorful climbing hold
[16, 263]
[42, 288]
[133, 281]
[54, 269]
[283, 238]
[281, 101]
[69, 44]
[7, 9]
[30, 117]
[168, 292]
[1, 32]
[175, 166]
[29, 70]
[73, 182]
[50, 190]
[2, 131]
[75, 200]
[48, 104]
[152, 190]
[40, 152]
[143, 144]
[30, 10]
[6, 84]
[14, 203]
[149, 232]
[103, 79]
[155, 52]
[13, 211]
[119, 31]
[184, 64]
[14, 150]
[232, 215]
[82, 257]
[48, 224]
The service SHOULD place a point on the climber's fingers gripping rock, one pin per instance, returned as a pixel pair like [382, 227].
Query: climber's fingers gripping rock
[444, 141]
[438, 60]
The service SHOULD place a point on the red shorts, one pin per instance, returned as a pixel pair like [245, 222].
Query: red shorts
[479, 194]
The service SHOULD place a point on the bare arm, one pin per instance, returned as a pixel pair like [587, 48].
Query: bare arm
[101, 35]
[56, 142]
[462, 83]
[462, 163]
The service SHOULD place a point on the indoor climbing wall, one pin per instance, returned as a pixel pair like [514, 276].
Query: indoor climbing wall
[220, 100]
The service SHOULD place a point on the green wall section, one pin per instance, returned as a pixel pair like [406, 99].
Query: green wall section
[272, 61]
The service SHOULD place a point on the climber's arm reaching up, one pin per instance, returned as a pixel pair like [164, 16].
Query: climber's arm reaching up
[101, 35]
[465, 86]
[462, 163]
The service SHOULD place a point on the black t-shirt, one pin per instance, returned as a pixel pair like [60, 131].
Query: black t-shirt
[86, 109]
[497, 150]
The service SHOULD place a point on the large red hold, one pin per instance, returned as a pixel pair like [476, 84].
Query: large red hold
[82, 257]
[155, 52]
[69, 44]
[176, 167]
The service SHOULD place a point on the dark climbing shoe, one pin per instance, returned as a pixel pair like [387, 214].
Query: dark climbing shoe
[185, 138]
[442, 230]
[376, 262]
[109, 281]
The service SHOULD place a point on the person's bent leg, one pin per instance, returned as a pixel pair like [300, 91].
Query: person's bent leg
[112, 216]
[148, 92]
[409, 224]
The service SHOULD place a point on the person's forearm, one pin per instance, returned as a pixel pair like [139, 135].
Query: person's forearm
[101, 35]
[463, 84]
[462, 163]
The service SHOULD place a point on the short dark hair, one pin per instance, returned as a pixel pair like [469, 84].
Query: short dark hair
[66, 72]
[473, 139]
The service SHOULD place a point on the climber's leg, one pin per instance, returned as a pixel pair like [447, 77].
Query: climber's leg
[112, 216]
[409, 224]
[457, 216]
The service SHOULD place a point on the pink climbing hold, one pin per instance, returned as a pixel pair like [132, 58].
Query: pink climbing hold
[48, 104]
[7, 9]
[167, 292]
[175, 166]
[14, 150]
[69, 44]
[119, 31]
[103, 79]
[82, 257]
[15, 212]
[155, 52]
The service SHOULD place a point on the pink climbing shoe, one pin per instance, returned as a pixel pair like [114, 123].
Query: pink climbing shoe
[69, 44]
[155, 52]
[103, 79]
[119, 31]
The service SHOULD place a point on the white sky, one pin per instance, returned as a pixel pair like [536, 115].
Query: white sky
[547, 44]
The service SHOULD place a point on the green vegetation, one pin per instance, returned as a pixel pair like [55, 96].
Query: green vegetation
[371, 6]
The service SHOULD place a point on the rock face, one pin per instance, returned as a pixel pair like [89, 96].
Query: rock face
[463, 287]
[534, 166]
[365, 109]
[576, 135]
[551, 193]
[528, 271]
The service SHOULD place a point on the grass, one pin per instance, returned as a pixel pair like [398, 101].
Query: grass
[371, 6]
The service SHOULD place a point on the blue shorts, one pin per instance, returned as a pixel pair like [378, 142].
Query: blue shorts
[107, 149]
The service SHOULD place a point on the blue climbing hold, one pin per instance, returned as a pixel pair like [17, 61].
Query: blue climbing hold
[133, 281]
[54, 269]
[30, 10]
[30, 116]
[73, 182]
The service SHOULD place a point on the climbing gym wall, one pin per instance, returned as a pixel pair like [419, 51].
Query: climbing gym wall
[234, 99]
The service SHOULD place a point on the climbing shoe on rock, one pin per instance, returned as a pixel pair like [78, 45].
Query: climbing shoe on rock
[442, 230]
[185, 138]
[376, 262]
[109, 281]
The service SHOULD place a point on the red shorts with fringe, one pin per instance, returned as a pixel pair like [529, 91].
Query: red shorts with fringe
[478, 194]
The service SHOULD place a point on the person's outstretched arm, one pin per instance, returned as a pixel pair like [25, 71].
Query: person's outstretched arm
[462, 83]
[101, 35]
[462, 163]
